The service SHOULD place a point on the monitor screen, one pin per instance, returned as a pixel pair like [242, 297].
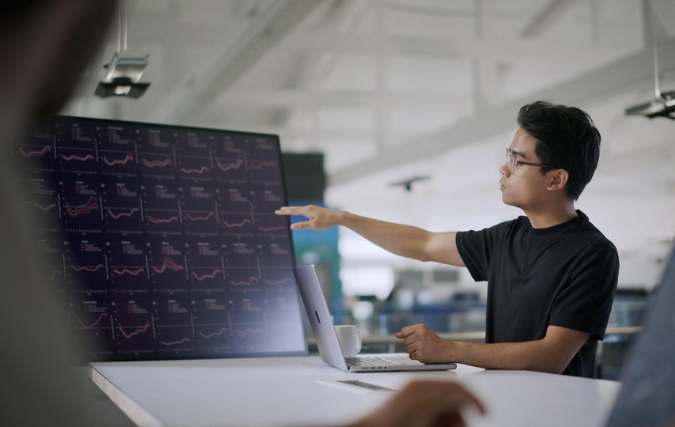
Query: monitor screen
[162, 241]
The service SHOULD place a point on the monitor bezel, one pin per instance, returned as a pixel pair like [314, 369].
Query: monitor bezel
[83, 359]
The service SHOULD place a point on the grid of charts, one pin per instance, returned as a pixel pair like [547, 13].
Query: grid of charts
[162, 240]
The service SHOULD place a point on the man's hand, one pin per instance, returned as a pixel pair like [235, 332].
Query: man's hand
[319, 218]
[422, 344]
[422, 404]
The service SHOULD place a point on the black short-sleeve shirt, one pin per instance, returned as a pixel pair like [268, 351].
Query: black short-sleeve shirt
[565, 275]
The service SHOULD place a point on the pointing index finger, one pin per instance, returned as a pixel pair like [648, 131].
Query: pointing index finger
[290, 210]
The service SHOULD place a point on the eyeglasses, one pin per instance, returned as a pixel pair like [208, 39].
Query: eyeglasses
[513, 162]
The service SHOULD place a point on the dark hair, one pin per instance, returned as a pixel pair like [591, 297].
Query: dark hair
[566, 139]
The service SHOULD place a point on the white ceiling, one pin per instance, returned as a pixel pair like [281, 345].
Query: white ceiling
[390, 89]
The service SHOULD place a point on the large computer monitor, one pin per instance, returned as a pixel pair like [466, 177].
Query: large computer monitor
[162, 240]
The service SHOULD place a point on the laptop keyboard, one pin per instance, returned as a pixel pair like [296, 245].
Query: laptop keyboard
[371, 361]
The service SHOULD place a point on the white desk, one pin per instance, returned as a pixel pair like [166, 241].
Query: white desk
[284, 392]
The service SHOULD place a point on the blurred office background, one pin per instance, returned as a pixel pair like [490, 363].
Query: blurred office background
[369, 94]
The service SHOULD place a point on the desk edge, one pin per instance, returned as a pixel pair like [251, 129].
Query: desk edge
[132, 409]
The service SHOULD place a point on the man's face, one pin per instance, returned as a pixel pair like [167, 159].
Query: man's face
[525, 188]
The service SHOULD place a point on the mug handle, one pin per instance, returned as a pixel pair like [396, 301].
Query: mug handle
[358, 341]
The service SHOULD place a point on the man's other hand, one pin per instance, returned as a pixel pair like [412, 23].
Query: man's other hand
[319, 218]
[424, 404]
[422, 344]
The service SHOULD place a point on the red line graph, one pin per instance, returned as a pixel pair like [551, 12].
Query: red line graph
[138, 329]
[124, 161]
[206, 276]
[133, 272]
[154, 220]
[43, 207]
[199, 218]
[288, 279]
[93, 324]
[77, 158]
[199, 171]
[263, 165]
[237, 224]
[87, 269]
[84, 208]
[248, 282]
[227, 166]
[54, 274]
[168, 263]
[46, 149]
[247, 331]
[121, 214]
[220, 332]
[175, 342]
[156, 163]
[271, 228]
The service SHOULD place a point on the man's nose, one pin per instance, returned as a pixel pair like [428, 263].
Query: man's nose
[504, 169]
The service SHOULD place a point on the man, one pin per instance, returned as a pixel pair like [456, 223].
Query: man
[551, 274]
[44, 46]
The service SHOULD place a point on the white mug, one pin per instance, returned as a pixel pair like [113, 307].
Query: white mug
[350, 339]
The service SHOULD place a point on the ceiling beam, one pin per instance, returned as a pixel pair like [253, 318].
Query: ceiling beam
[231, 57]
[595, 85]
[289, 98]
[496, 49]
[547, 17]
[170, 29]
[429, 8]
[664, 16]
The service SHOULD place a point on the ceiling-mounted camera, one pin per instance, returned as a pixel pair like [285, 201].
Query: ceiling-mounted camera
[663, 104]
[123, 76]
[124, 71]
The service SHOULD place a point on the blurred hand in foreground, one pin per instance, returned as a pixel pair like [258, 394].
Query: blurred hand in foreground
[424, 404]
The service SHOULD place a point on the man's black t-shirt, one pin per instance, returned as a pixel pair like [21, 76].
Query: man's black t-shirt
[565, 275]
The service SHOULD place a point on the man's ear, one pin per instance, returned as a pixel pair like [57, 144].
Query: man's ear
[557, 179]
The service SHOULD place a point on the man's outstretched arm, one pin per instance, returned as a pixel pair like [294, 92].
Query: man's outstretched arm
[551, 354]
[403, 240]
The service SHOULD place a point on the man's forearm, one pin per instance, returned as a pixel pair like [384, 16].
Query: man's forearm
[403, 240]
[550, 354]
[529, 355]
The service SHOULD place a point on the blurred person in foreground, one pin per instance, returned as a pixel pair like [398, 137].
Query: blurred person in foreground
[44, 46]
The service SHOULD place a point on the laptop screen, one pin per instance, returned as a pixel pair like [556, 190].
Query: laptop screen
[162, 240]
[647, 397]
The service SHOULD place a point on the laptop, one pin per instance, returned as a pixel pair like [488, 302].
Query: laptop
[327, 340]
